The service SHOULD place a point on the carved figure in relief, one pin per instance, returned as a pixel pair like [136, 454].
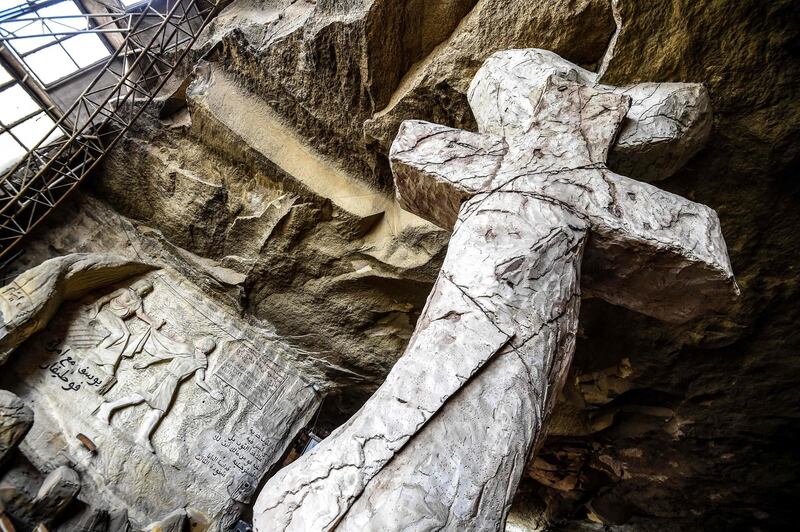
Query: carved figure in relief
[111, 311]
[29, 302]
[185, 360]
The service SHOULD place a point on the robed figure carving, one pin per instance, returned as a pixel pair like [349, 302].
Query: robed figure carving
[110, 313]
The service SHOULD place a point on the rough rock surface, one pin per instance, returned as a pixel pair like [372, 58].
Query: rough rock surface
[28, 505]
[356, 50]
[57, 491]
[15, 421]
[90, 520]
[294, 232]
[369, 57]
[681, 427]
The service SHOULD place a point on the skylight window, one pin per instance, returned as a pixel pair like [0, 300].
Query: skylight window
[23, 122]
[46, 43]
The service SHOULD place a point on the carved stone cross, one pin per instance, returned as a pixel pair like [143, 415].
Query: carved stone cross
[538, 221]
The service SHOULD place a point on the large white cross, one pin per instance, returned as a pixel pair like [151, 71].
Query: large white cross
[537, 217]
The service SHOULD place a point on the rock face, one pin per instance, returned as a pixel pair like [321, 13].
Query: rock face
[274, 213]
[356, 50]
[436, 88]
[15, 421]
[217, 400]
[659, 426]
[381, 58]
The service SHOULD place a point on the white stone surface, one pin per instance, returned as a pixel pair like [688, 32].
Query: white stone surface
[206, 403]
[650, 251]
[666, 123]
[30, 300]
[442, 444]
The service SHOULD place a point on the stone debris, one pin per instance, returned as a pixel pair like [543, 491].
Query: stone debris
[56, 492]
[15, 421]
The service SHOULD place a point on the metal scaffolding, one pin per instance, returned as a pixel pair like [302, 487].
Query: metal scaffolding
[152, 41]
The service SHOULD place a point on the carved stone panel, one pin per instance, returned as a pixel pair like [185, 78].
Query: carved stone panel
[159, 398]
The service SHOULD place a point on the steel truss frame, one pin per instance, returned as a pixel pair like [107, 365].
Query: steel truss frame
[155, 42]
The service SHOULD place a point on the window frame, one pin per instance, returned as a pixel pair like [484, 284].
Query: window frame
[57, 41]
[134, 5]
[42, 108]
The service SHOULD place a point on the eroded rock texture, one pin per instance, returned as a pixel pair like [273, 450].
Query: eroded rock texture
[369, 57]
[691, 426]
[15, 421]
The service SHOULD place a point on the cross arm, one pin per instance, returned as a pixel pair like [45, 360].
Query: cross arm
[437, 167]
[649, 250]
[666, 124]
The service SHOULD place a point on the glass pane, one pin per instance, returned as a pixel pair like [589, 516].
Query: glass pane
[4, 75]
[51, 64]
[8, 4]
[64, 9]
[86, 49]
[30, 132]
[10, 152]
[15, 103]
[26, 27]
[128, 3]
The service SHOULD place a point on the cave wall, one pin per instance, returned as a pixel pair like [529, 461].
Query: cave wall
[287, 124]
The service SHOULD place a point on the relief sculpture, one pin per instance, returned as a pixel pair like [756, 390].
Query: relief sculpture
[102, 350]
[185, 360]
[110, 313]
